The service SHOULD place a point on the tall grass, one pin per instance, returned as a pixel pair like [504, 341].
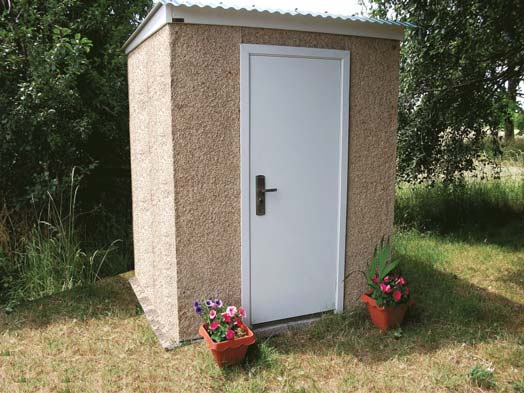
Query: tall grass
[472, 205]
[50, 258]
[506, 153]
[513, 152]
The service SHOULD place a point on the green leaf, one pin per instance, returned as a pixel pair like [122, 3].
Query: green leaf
[388, 269]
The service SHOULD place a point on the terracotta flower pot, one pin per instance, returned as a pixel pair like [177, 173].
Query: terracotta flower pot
[385, 318]
[231, 351]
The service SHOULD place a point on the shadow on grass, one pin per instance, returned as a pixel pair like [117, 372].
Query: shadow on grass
[448, 311]
[488, 212]
[515, 277]
[112, 297]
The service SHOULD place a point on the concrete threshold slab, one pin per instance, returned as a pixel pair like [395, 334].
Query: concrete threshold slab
[270, 330]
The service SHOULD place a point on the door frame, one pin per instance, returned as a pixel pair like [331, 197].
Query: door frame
[246, 52]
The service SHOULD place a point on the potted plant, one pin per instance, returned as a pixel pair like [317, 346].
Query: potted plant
[388, 295]
[224, 331]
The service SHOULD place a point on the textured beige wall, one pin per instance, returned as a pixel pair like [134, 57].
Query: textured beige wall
[205, 90]
[149, 75]
[206, 136]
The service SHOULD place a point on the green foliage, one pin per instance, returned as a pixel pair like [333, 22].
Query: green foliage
[515, 112]
[454, 67]
[63, 91]
[382, 263]
[482, 376]
[519, 120]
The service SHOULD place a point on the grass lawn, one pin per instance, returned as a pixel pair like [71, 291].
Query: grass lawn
[466, 333]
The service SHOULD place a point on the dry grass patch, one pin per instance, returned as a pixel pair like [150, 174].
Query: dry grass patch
[469, 318]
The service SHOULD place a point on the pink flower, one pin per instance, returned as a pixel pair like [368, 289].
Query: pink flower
[385, 288]
[406, 291]
[242, 312]
[401, 281]
[226, 317]
[375, 279]
[212, 314]
[230, 334]
[386, 279]
[397, 295]
[214, 325]
[231, 311]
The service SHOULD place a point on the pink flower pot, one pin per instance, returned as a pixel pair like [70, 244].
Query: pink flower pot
[228, 352]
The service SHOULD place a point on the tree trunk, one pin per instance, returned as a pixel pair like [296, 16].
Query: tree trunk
[509, 128]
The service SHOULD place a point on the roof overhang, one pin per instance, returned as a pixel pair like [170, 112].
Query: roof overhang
[166, 11]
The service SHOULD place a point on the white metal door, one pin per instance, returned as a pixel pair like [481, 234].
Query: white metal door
[294, 131]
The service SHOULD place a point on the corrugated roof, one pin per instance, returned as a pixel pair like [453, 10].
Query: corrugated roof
[296, 11]
[225, 13]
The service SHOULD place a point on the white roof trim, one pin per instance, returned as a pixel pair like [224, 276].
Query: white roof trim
[157, 18]
[161, 14]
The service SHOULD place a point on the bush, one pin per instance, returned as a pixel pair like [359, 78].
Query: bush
[63, 95]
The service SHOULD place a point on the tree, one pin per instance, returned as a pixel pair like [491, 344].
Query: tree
[454, 67]
[511, 97]
[63, 90]
[519, 120]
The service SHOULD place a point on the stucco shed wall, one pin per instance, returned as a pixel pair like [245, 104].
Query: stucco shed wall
[206, 129]
[205, 125]
[153, 190]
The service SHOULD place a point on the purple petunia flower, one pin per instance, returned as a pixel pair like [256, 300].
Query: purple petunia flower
[197, 308]
[218, 302]
[209, 303]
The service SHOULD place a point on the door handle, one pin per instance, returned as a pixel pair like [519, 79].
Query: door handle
[261, 191]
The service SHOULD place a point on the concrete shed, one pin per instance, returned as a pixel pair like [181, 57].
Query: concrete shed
[263, 147]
